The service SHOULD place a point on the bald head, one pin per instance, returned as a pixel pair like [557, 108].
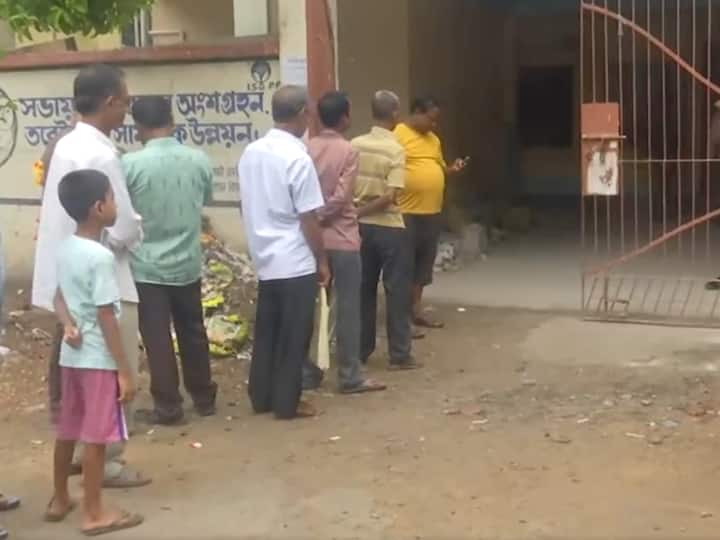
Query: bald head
[288, 103]
[385, 105]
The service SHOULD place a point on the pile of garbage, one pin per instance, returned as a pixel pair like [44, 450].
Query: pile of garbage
[229, 288]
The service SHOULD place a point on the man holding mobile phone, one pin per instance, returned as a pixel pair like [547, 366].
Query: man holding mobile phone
[421, 200]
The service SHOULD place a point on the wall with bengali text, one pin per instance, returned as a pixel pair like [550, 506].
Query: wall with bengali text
[219, 108]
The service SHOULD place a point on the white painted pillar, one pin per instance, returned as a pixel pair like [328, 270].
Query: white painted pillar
[293, 41]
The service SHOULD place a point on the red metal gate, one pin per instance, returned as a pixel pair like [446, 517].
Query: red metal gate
[649, 158]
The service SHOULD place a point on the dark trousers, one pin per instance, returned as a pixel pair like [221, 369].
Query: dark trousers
[345, 267]
[161, 305]
[384, 251]
[284, 323]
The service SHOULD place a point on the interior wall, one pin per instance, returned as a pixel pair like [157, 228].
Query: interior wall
[549, 171]
[373, 53]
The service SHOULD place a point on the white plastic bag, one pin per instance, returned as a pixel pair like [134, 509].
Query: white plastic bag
[323, 349]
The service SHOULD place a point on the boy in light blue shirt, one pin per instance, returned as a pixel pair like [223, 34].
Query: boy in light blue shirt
[95, 374]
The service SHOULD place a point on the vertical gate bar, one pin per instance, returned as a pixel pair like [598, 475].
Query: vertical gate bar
[580, 143]
[701, 301]
[632, 294]
[596, 225]
[651, 235]
[664, 124]
[708, 114]
[593, 40]
[608, 200]
[606, 286]
[646, 294]
[586, 307]
[679, 131]
[592, 44]
[663, 282]
[715, 304]
[603, 294]
[607, 63]
[621, 281]
[635, 131]
[622, 128]
[693, 135]
[691, 288]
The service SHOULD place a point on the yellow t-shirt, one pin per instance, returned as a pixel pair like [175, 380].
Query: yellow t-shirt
[424, 172]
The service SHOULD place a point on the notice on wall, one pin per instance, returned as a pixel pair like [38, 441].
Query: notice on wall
[294, 70]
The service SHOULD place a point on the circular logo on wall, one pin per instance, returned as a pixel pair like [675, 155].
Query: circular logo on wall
[261, 71]
[8, 127]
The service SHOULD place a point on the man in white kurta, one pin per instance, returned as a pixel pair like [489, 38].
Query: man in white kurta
[101, 100]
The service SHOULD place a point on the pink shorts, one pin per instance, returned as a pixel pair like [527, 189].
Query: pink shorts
[89, 408]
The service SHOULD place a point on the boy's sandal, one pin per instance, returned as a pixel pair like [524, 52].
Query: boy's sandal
[126, 521]
[51, 517]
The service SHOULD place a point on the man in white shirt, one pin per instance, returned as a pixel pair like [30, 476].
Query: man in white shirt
[280, 193]
[101, 101]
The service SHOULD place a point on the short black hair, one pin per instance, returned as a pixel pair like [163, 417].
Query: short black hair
[152, 112]
[94, 84]
[332, 107]
[80, 190]
[288, 102]
[424, 104]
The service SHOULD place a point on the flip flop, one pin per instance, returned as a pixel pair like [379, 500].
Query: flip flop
[8, 503]
[127, 479]
[49, 517]
[364, 387]
[422, 322]
[408, 365]
[126, 521]
[306, 410]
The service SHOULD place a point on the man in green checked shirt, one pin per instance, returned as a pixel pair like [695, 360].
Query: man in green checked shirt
[168, 184]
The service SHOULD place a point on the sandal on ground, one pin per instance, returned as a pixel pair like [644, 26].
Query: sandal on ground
[126, 479]
[418, 334]
[126, 521]
[153, 418]
[306, 409]
[368, 385]
[407, 365]
[424, 322]
[51, 517]
[8, 503]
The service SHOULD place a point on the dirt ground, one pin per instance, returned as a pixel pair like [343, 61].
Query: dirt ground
[522, 425]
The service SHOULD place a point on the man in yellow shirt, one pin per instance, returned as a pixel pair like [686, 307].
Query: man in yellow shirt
[422, 199]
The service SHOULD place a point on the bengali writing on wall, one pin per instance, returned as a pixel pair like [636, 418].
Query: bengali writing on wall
[233, 119]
